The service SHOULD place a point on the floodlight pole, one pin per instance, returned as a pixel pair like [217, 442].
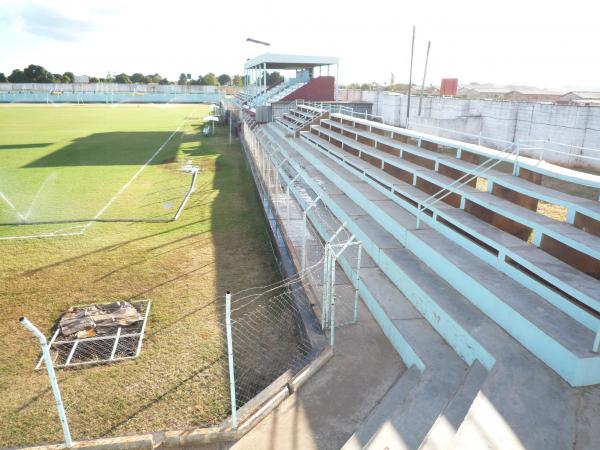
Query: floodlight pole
[424, 75]
[52, 376]
[230, 360]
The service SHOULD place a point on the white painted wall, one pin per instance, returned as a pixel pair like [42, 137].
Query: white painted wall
[576, 126]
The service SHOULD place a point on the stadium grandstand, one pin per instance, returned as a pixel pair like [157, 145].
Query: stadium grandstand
[492, 302]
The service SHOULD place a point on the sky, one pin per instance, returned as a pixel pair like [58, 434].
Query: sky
[547, 44]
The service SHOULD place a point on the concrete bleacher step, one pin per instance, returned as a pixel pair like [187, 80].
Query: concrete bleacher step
[301, 117]
[393, 422]
[529, 163]
[443, 432]
[518, 384]
[390, 402]
[589, 244]
[577, 284]
[563, 343]
[588, 210]
[284, 93]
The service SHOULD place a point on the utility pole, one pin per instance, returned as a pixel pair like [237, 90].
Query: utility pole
[424, 75]
[412, 51]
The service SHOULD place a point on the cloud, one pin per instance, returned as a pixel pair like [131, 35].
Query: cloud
[48, 22]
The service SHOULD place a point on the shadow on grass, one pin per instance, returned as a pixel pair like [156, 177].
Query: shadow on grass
[224, 217]
[111, 149]
[21, 146]
[161, 395]
[108, 248]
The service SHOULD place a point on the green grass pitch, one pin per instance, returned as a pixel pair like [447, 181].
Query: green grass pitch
[67, 163]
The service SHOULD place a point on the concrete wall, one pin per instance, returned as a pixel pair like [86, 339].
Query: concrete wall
[319, 89]
[576, 126]
[117, 97]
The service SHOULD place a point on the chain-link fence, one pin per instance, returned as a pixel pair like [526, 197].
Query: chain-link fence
[269, 341]
[314, 232]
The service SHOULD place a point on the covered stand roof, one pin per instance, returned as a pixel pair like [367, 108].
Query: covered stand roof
[289, 62]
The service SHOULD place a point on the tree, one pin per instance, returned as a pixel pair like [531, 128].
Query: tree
[94, 79]
[238, 80]
[224, 79]
[138, 78]
[37, 74]
[17, 76]
[197, 81]
[274, 78]
[182, 79]
[365, 87]
[210, 79]
[153, 78]
[163, 81]
[122, 78]
[57, 78]
[68, 77]
[2, 78]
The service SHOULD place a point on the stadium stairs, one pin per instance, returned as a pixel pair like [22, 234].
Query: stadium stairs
[273, 94]
[492, 305]
[301, 118]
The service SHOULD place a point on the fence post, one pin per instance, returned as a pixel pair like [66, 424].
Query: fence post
[332, 298]
[303, 266]
[358, 262]
[326, 283]
[52, 376]
[516, 163]
[230, 359]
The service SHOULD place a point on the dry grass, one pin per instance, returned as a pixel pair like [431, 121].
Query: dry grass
[553, 211]
[219, 243]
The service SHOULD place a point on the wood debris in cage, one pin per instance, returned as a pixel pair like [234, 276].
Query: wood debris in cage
[99, 334]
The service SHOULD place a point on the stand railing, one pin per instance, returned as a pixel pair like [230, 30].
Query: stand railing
[467, 178]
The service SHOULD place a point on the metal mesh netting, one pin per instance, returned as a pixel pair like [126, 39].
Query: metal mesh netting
[285, 181]
[148, 394]
[114, 343]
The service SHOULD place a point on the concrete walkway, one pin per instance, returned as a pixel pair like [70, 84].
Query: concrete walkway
[332, 404]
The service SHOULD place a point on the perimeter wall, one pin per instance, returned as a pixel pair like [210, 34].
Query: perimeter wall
[577, 126]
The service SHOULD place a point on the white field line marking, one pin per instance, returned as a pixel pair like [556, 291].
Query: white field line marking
[9, 203]
[57, 233]
[135, 175]
[102, 210]
[44, 235]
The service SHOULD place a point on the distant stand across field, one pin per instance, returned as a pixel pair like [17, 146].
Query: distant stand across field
[108, 97]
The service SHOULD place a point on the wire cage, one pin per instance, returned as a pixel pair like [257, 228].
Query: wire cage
[116, 343]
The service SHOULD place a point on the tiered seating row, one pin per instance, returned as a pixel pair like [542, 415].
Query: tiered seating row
[578, 248]
[407, 184]
[533, 168]
[551, 335]
[582, 213]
